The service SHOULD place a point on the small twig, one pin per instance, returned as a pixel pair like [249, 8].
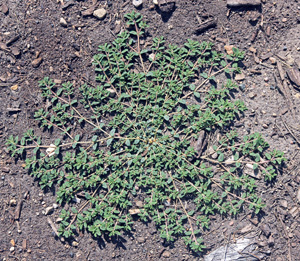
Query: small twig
[287, 127]
[286, 234]
[52, 225]
[18, 209]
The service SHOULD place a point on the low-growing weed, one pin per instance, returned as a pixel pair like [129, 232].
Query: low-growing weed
[147, 124]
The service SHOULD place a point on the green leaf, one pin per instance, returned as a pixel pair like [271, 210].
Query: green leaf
[221, 157]
[166, 117]
[108, 142]
[192, 87]
[197, 94]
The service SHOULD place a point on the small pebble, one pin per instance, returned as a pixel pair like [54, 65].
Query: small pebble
[36, 62]
[3, 177]
[12, 249]
[251, 95]
[49, 210]
[137, 3]
[284, 48]
[13, 202]
[140, 240]
[242, 87]
[166, 254]
[100, 13]
[239, 77]
[71, 254]
[139, 204]
[75, 244]
[63, 22]
[272, 87]
[273, 60]
[252, 49]
[15, 51]
[4, 9]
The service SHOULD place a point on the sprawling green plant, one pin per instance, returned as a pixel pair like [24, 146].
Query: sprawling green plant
[141, 134]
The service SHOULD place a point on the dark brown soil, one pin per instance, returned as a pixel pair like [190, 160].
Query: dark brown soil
[32, 28]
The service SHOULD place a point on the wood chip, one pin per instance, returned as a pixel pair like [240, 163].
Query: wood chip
[18, 209]
[235, 3]
[294, 76]
[36, 62]
[134, 211]
[201, 143]
[210, 23]
[52, 225]
[24, 244]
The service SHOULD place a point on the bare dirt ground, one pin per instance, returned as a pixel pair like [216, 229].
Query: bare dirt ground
[36, 42]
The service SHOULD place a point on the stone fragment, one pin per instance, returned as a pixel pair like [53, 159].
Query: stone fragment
[235, 3]
[252, 95]
[252, 49]
[48, 210]
[283, 203]
[140, 240]
[63, 22]
[155, 2]
[88, 11]
[75, 244]
[137, 3]
[112, 92]
[4, 9]
[100, 13]
[139, 204]
[242, 87]
[13, 202]
[166, 254]
[152, 56]
[14, 87]
[228, 49]
[239, 77]
[134, 211]
[36, 62]
[273, 60]
[15, 51]
[166, 6]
